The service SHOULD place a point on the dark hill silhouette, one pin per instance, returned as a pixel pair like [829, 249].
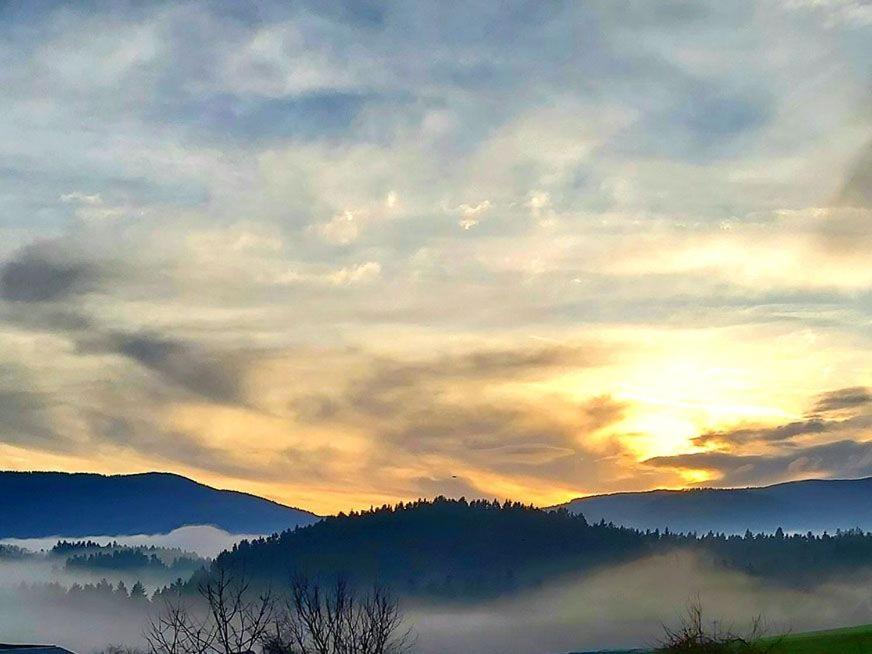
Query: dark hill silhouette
[800, 506]
[455, 548]
[37, 504]
[442, 547]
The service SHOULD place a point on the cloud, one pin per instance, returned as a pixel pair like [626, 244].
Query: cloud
[342, 229]
[857, 191]
[348, 223]
[386, 382]
[846, 232]
[46, 274]
[834, 440]
[844, 398]
[470, 215]
[197, 369]
[361, 274]
[28, 420]
[39, 273]
[765, 434]
[847, 458]
[444, 423]
[853, 13]
[92, 208]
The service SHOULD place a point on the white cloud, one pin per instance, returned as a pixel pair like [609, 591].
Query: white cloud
[342, 229]
[286, 59]
[91, 208]
[360, 274]
[82, 198]
[539, 203]
[471, 214]
[357, 275]
[855, 13]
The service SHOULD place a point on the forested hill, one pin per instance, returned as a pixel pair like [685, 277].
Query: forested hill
[36, 504]
[472, 549]
[440, 547]
[816, 505]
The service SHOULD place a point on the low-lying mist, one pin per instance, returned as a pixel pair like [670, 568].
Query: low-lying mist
[205, 540]
[621, 606]
[46, 568]
[34, 608]
[627, 606]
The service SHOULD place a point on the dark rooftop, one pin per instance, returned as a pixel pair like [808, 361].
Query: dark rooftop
[32, 649]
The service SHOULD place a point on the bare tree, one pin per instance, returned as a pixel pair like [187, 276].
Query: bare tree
[177, 631]
[240, 619]
[231, 620]
[311, 619]
[693, 635]
[339, 620]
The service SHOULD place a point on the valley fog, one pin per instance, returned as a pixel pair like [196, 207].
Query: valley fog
[35, 609]
[627, 606]
[205, 540]
[619, 606]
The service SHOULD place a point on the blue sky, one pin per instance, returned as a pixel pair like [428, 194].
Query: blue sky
[347, 252]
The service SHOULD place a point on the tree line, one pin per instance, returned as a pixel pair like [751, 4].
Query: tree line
[472, 549]
[126, 560]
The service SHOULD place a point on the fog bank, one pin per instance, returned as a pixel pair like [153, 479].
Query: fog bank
[626, 606]
[622, 606]
[205, 540]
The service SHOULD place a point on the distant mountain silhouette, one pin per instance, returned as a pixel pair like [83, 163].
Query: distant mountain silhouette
[38, 504]
[800, 506]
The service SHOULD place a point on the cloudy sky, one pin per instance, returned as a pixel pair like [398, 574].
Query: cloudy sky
[341, 254]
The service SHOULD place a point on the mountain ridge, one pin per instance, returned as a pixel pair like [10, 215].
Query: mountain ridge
[47, 503]
[805, 505]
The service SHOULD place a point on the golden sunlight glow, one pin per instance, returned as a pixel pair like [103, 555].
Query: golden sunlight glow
[649, 434]
[696, 476]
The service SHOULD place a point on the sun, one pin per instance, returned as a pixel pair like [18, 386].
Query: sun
[650, 434]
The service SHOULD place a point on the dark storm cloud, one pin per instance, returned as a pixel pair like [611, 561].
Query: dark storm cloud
[39, 274]
[846, 458]
[844, 398]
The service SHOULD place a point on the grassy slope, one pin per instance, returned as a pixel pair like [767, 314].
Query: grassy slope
[855, 640]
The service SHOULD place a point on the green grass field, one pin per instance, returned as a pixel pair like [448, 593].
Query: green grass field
[853, 640]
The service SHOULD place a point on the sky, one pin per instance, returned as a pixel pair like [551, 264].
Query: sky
[341, 254]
